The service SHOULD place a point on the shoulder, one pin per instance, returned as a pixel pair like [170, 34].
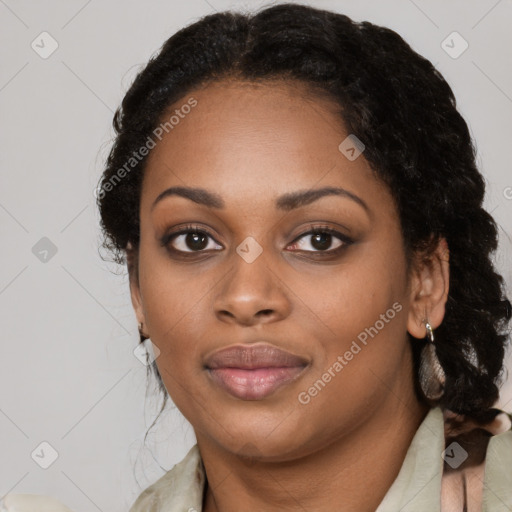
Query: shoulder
[500, 447]
[181, 488]
[498, 473]
[31, 503]
[478, 463]
[499, 450]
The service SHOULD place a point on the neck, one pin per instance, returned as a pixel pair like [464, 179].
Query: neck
[353, 473]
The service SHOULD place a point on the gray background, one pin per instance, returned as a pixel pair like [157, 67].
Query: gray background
[67, 370]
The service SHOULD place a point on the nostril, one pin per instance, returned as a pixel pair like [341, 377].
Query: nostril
[265, 312]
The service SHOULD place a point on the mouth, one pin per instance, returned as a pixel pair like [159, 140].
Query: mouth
[254, 372]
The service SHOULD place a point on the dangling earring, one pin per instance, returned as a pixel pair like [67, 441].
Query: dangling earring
[143, 337]
[152, 351]
[431, 374]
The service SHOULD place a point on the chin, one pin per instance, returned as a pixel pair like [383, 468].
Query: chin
[272, 437]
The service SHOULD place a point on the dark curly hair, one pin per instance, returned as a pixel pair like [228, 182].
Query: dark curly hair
[416, 142]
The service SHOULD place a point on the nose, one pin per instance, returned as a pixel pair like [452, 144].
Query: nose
[251, 293]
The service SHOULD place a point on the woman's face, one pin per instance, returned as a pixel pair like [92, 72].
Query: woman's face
[314, 324]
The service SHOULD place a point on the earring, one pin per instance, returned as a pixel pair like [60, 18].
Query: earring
[431, 374]
[143, 337]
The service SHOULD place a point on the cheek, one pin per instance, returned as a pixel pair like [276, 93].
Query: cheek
[350, 297]
[178, 327]
[360, 356]
[361, 308]
[174, 302]
[361, 326]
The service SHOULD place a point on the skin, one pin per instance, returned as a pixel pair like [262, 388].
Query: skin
[250, 144]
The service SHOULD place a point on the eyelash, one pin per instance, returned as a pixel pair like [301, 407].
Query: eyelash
[314, 230]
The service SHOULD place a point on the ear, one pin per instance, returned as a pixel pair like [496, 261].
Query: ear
[132, 260]
[429, 289]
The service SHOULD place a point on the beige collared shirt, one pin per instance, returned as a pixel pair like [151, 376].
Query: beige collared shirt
[417, 488]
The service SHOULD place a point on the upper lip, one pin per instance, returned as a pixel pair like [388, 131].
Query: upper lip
[249, 357]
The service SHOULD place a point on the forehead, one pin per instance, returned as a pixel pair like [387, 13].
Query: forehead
[242, 138]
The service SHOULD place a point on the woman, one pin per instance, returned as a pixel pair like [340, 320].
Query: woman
[296, 198]
[307, 248]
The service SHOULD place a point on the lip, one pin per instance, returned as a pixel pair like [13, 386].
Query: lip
[253, 372]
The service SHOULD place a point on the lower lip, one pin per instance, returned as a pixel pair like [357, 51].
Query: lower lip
[254, 384]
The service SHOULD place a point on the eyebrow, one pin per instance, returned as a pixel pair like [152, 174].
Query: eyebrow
[288, 201]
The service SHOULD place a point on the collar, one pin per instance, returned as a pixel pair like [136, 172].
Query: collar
[417, 486]
[179, 490]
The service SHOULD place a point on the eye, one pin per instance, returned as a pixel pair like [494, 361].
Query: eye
[189, 240]
[321, 239]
